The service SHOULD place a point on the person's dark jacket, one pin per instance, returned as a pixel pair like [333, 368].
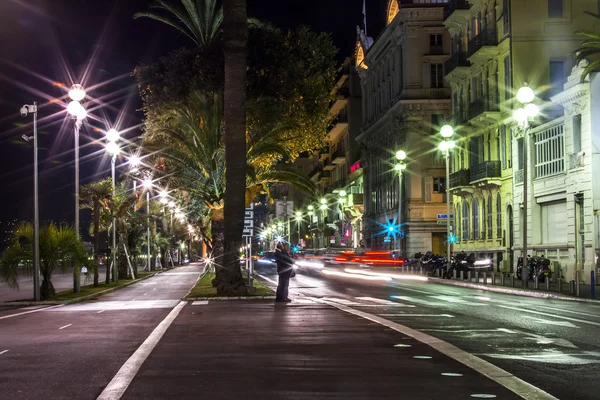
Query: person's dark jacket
[284, 261]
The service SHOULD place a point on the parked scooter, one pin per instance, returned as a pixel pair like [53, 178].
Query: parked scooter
[537, 266]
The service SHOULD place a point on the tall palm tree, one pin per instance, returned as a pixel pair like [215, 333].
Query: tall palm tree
[94, 196]
[59, 246]
[235, 26]
[190, 141]
[199, 20]
[589, 50]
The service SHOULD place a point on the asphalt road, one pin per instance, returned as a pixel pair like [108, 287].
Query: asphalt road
[73, 351]
[551, 344]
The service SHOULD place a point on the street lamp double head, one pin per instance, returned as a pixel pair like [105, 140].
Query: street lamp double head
[528, 111]
[445, 146]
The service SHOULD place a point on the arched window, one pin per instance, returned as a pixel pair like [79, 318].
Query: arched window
[483, 219]
[465, 221]
[489, 217]
[360, 56]
[498, 216]
[393, 9]
[475, 219]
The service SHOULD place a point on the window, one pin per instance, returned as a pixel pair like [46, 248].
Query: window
[483, 220]
[554, 225]
[475, 219]
[465, 221]
[435, 43]
[506, 16]
[475, 25]
[510, 150]
[437, 75]
[503, 145]
[577, 133]
[439, 185]
[557, 76]
[507, 79]
[555, 8]
[498, 216]
[489, 217]
[458, 220]
[549, 151]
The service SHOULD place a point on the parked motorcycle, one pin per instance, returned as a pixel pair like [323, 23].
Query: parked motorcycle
[537, 266]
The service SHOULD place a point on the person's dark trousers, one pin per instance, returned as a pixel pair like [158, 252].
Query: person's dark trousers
[282, 286]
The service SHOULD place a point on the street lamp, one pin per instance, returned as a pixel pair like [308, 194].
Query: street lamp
[525, 96]
[400, 166]
[112, 147]
[310, 218]
[147, 184]
[77, 111]
[323, 207]
[26, 109]
[447, 132]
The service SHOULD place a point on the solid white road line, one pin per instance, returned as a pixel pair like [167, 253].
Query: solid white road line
[415, 315]
[526, 390]
[121, 381]
[268, 279]
[29, 312]
[63, 327]
[3, 351]
[200, 303]
[100, 312]
[383, 302]
[551, 315]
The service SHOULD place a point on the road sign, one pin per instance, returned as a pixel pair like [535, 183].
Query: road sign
[248, 223]
[250, 207]
[248, 214]
[387, 240]
[445, 216]
[247, 232]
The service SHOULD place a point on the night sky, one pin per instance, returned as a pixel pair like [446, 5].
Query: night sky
[48, 42]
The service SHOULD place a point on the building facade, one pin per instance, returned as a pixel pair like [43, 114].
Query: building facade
[405, 100]
[498, 46]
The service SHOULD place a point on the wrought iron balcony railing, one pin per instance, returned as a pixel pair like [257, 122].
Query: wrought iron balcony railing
[487, 37]
[486, 169]
[456, 60]
[460, 178]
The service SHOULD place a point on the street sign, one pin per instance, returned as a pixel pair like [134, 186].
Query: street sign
[248, 223]
[387, 240]
[247, 232]
[445, 216]
[250, 207]
[248, 214]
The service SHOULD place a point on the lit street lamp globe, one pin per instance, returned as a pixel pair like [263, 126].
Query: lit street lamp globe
[77, 92]
[113, 148]
[112, 135]
[525, 95]
[447, 131]
[401, 155]
[531, 110]
[76, 109]
[147, 183]
[323, 200]
[343, 193]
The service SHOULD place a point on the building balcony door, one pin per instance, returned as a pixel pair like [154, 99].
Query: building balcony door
[511, 236]
[438, 243]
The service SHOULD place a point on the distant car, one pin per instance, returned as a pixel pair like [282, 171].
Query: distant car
[267, 258]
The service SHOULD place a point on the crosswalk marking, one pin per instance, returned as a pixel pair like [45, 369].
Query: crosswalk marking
[452, 299]
[303, 301]
[418, 301]
[383, 302]
[117, 305]
[341, 301]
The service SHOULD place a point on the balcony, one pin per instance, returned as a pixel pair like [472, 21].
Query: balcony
[328, 165]
[481, 106]
[338, 156]
[454, 5]
[486, 38]
[458, 118]
[486, 173]
[458, 60]
[325, 176]
[315, 172]
[460, 182]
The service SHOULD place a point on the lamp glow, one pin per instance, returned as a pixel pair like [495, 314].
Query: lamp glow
[447, 131]
[171, 204]
[525, 95]
[401, 155]
[77, 92]
[76, 109]
[323, 200]
[310, 208]
[147, 183]
[520, 115]
[112, 135]
[343, 193]
[134, 161]
[447, 145]
[531, 110]
[113, 148]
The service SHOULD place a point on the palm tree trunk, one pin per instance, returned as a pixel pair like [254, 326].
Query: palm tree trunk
[96, 241]
[235, 28]
[217, 228]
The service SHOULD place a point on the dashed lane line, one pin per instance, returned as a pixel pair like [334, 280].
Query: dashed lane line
[524, 389]
[121, 381]
[383, 302]
[266, 278]
[415, 315]
[583, 321]
[63, 327]
[100, 312]
[29, 312]
[3, 351]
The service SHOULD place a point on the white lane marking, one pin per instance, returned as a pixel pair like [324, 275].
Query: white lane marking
[100, 312]
[342, 301]
[419, 301]
[145, 294]
[546, 322]
[3, 351]
[179, 273]
[63, 327]
[200, 303]
[415, 315]
[121, 381]
[551, 315]
[119, 305]
[303, 301]
[498, 375]
[382, 301]
[29, 312]
[266, 278]
[452, 299]
[569, 311]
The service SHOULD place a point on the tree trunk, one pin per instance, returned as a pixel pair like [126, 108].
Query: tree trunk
[96, 242]
[47, 288]
[235, 29]
[217, 227]
[108, 259]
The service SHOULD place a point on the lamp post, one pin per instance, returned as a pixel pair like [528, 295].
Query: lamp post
[148, 186]
[400, 166]
[342, 202]
[528, 111]
[310, 219]
[298, 221]
[447, 131]
[323, 207]
[112, 147]
[77, 93]
[26, 109]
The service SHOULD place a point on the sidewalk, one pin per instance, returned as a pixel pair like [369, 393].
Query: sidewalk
[259, 350]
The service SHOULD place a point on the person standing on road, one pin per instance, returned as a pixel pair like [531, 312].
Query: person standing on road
[284, 271]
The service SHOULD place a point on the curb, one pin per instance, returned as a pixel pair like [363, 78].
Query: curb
[513, 291]
[231, 298]
[79, 299]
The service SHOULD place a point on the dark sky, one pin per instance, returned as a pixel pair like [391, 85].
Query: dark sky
[43, 42]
